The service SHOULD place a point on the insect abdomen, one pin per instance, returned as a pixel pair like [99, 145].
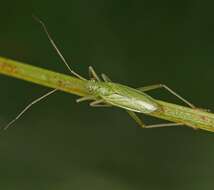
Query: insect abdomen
[131, 104]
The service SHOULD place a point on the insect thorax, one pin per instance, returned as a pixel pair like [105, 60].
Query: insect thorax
[98, 88]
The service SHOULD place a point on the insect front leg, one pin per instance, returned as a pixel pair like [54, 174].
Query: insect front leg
[156, 86]
[141, 123]
[85, 98]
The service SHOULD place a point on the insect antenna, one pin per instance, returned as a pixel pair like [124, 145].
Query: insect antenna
[56, 48]
[26, 109]
[50, 92]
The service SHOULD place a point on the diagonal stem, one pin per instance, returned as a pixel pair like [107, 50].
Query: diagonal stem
[171, 112]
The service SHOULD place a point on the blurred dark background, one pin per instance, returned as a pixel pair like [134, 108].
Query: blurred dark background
[60, 144]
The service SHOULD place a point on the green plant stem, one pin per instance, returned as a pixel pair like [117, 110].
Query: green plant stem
[43, 77]
[196, 118]
[170, 112]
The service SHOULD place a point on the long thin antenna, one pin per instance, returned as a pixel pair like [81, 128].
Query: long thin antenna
[27, 108]
[56, 48]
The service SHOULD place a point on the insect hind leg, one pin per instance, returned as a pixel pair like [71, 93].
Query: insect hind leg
[141, 123]
[156, 86]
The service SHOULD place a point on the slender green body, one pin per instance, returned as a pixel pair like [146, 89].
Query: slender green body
[123, 96]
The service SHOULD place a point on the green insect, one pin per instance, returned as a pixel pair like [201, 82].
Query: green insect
[105, 93]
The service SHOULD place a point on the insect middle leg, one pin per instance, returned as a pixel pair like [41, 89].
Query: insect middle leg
[141, 124]
[156, 86]
[99, 103]
[105, 77]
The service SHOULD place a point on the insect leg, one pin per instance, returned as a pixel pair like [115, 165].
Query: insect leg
[152, 87]
[163, 125]
[56, 48]
[96, 103]
[141, 124]
[105, 77]
[99, 103]
[93, 74]
[136, 118]
[28, 107]
[84, 98]
[134, 115]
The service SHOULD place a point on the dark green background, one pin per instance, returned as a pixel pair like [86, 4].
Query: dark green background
[60, 144]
